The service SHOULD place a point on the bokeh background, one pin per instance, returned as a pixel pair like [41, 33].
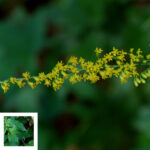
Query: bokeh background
[35, 34]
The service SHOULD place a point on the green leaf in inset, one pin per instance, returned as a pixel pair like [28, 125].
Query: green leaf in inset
[13, 140]
[31, 143]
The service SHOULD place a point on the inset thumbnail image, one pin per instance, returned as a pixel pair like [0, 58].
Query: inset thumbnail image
[18, 131]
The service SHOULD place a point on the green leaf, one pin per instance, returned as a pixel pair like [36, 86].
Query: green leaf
[20, 126]
[13, 140]
[31, 143]
[5, 138]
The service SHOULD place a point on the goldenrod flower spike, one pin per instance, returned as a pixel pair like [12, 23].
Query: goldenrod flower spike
[116, 63]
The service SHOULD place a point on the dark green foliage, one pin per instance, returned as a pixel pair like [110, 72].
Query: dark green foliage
[18, 131]
[35, 34]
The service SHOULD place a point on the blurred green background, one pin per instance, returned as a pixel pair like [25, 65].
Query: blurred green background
[35, 34]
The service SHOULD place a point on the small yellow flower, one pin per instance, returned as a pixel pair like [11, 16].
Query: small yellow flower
[78, 77]
[53, 74]
[138, 80]
[47, 83]
[5, 86]
[135, 73]
[42, 76]
[103, 74]
[107, 58]
[98, 51]
[109, 71]
[139, 51]
[136, 83]
[144, 75]
[115, 51]
[55, 86]
[93, 78]
[73, 80]
[57, 83]
[65, 75]
[73, 60]
[133, 57]
[143, 81]
[65, 67]
[85, 77]
[13, 80]
[60, 80]
[32, 85]
[20, 83]
[121, 57]
[123, 79]
[37, 79]
[74, 69]
[148, 56]
[60, 65]
[131, 50]
[50, 76]
[81, 60]
[26, 75]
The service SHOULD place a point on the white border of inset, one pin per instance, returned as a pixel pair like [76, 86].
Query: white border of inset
[35, 117]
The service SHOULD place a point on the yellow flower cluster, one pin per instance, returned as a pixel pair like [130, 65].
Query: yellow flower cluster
[116, 63]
